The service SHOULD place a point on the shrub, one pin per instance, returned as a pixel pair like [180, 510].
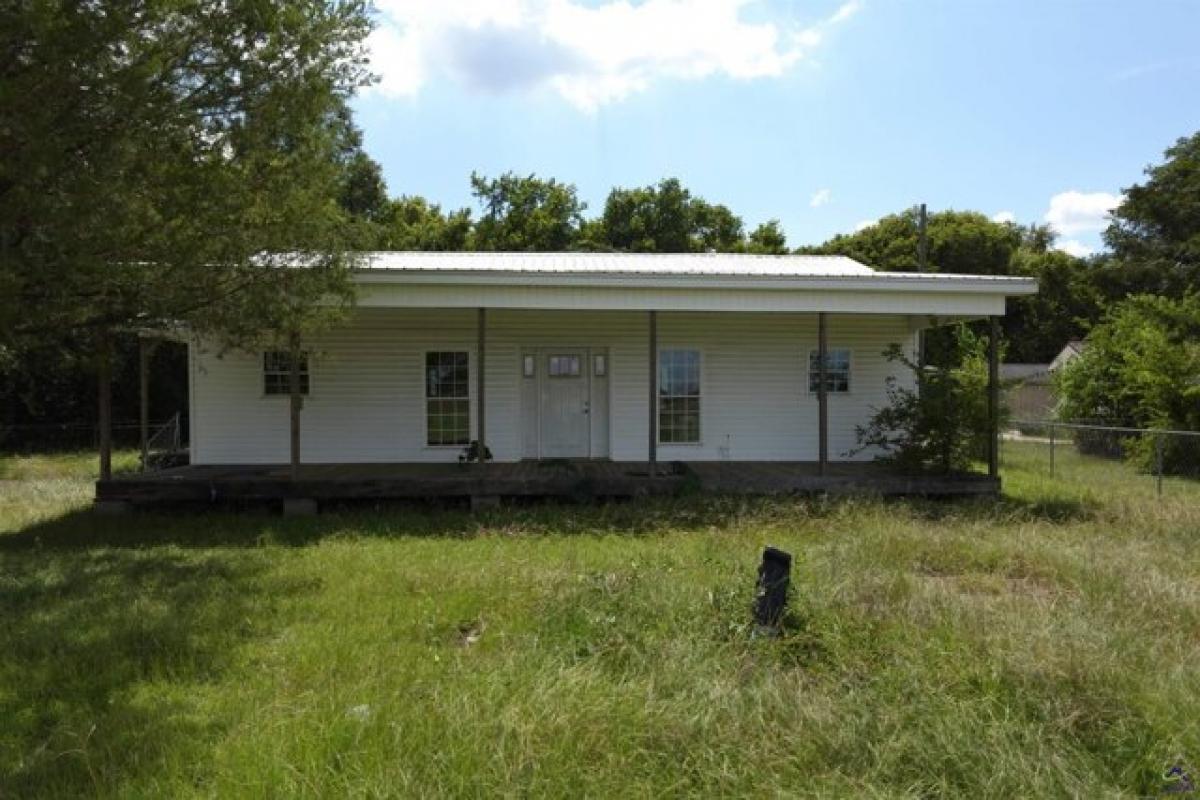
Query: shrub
[942, 423]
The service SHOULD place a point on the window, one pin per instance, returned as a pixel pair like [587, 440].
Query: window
[528, 366]
[599, 365]
[447, 399]
[837, 371]
[277, 372]
[679, 397]
[564, 367]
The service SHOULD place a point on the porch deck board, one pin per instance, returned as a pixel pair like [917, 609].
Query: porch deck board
[575, 479]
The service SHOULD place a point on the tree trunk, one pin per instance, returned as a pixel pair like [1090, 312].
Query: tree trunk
[295, 403]
[104, 401]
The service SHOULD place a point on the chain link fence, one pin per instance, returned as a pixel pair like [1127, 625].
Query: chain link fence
[1157, 455]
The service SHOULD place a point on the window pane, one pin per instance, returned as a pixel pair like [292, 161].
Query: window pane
[277, 372]
[567, 366]
[679, 397]
[447, 405]
[837, 371]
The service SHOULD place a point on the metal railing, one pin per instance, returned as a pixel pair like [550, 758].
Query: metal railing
[164, 445]
[1108, 441]
[59, 437]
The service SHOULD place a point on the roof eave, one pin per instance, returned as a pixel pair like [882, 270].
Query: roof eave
[887, 282]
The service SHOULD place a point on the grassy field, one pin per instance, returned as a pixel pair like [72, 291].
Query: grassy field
[1047, 644]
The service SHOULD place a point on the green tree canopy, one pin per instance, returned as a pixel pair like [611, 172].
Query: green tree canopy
[1141, 369]
[959, 241]
[153, 151]
[768, 239]
[666, 218]
[412, 223]
[1155, 231]
[526, 213]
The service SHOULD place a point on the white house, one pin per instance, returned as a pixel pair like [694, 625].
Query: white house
[553, 356]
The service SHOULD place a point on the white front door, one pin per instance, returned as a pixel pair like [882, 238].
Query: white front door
[564, 408]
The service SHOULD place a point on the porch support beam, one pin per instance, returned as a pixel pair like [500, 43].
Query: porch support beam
[652, 449]
[822, 394]
[104, 401]
[296, 400]
[145, 347]
[993, 404]
[481, 382]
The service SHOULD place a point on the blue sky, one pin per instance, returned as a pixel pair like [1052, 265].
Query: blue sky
[824, 115]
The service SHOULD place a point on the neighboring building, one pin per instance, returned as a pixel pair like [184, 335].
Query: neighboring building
[1073, 350]
[1029, 388]
[1028, 391]
[567, 360]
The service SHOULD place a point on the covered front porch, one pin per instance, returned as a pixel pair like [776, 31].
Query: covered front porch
[571, 376]
[484, 483]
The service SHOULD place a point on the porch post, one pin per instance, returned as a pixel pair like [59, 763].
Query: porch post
[144, 349]
[822, 394]
[481, 423]
[104, 402]
[652, 449]
[295, 400]
[994, 397]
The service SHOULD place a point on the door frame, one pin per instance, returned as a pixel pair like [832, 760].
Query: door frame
[541, 376]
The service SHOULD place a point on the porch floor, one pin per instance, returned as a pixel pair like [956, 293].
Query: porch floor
[571, 479]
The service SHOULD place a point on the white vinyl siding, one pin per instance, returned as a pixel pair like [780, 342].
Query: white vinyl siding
[371, 403]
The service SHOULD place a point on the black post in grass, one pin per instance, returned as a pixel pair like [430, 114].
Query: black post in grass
[770, 599]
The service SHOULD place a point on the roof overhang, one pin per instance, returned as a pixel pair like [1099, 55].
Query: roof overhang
[874, 293]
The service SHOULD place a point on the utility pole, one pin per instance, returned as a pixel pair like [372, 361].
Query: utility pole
[922, 241]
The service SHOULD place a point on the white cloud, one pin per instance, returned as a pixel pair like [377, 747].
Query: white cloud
[1004, 216]
[1077, 212]
[589, 53]
[866, 223]
[820, 198]
[1074, 247]
[845, 12]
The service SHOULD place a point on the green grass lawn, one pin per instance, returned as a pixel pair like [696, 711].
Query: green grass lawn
[1047, 644]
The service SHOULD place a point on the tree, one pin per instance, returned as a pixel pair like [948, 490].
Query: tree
[526, 213]
[667, 219]
[768, 239]
[413, 223]
[959, 242]
[1155, 231]
[153, 152]
[1141, 369]
[1067, 304]
[363, 193]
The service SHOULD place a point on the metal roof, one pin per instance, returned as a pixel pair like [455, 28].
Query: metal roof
[731, 264]
[695, 268]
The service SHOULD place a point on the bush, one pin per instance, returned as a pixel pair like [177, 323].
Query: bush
[942, 424]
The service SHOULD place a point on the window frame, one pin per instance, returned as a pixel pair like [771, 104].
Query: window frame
[659, 397]
[468, 397]
[810, 376]
[306, 378]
